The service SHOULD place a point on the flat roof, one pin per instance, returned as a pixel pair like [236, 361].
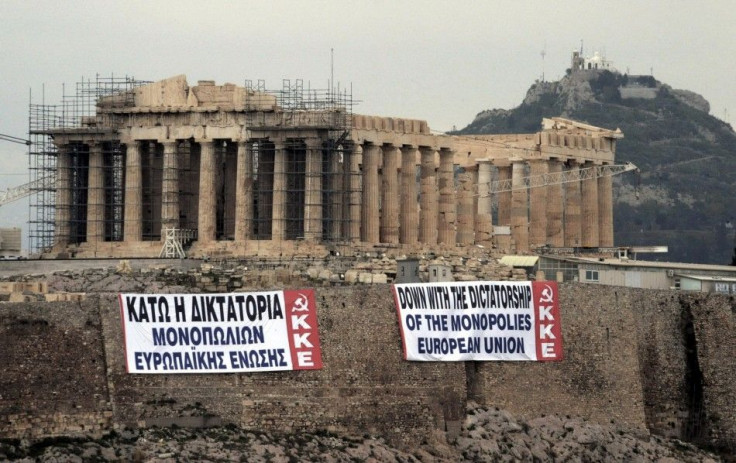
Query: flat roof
[615, 262]
[707, 278]
[519, 261]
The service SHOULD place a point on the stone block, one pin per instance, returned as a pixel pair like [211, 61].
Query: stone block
[313, 272]
[283, 275]
[31, 286]
[17, 297]
[379, 278]
[7, 287]
[351, 276]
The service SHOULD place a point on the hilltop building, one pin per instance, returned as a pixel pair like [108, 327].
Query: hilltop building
[224, 170]
[595, 62]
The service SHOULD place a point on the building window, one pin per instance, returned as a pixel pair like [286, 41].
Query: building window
[591, 275]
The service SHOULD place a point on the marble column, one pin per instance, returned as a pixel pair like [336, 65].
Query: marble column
[555, 235]
[230, 184]
[519, 207]
[465, 209]
[504, 197]
[244, 192]
[371, 194]
[447, 217]
[313, 191]
[605, 211]
[389, 203]
[572, 208]
[538, 206]
[589, 200]
[63, 196]
[409, 226]
[428, 190]
[356, 159]
[278, 220]
[170, 188]
[95, 195]
[484, 217]
[132, 229]
[207, 197]
[336, 198]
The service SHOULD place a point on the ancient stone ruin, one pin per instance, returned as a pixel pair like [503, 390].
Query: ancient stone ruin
[225, 170]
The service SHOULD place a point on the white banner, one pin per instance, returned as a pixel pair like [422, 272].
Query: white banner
[479, 320]
[220, 333]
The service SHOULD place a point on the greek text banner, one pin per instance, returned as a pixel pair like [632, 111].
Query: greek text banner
[220, 333]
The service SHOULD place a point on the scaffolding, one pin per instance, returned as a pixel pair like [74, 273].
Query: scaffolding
[304, 163]
[315, 153]
[77, 112]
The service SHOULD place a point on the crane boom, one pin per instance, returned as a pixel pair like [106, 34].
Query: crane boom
[21, 191]
[575, 175]
[534, 181]
[12, 139]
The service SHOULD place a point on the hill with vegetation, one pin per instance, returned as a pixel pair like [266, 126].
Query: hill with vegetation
[684, 196]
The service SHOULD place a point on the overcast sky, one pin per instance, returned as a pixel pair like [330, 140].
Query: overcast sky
[441, 61]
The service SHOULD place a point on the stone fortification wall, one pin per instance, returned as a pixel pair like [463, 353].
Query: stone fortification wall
[52, 370]
[364, 386]
[645, 359]
[599, 378]
[714, 324]
[648, 360]
[663, 358]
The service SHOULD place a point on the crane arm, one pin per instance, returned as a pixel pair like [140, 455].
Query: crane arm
[12, 139]
[575, 175]
[21, 191]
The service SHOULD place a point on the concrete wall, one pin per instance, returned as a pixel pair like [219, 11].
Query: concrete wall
[638, 92]
[648, 360]
[634, 278]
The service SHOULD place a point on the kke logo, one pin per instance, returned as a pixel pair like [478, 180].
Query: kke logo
[547, 294]
[549, 342]
[302, 327]
[301, 304]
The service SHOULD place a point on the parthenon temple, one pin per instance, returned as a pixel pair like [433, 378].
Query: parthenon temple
[231, 170]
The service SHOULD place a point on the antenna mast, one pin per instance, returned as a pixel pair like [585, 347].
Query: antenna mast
[544, 52]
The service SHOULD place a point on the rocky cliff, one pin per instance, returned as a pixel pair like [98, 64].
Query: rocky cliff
[684, 195]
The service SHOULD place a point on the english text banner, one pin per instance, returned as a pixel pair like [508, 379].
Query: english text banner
[479, 320]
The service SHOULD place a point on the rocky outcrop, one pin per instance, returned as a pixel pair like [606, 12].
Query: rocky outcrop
[487, 435]
[685, 155]
[572, 91]
[692, 99]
